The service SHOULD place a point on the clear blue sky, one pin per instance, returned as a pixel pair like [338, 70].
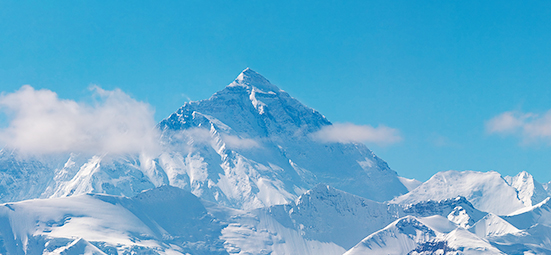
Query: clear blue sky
[435, 70]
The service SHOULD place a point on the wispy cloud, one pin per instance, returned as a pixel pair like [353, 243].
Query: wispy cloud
[348, 132]
[530, 127]
[41, 123]
[235, 142]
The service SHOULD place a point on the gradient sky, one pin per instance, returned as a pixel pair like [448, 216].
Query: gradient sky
[437, 71]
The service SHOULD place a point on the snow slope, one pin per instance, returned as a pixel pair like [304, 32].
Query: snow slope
[253, 143]
[432, 235]
[493, 225]
[165, 220]
[248, 146]
[487, 191]
[530, 192]
[400, 237]
[458, 210]
[240, 173]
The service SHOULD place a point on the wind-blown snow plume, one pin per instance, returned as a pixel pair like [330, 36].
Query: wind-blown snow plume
[529, 126]
[348, 132]
[42, 123]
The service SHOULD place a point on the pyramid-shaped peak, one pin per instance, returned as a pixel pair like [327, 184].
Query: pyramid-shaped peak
[249, 78]
[524, 175]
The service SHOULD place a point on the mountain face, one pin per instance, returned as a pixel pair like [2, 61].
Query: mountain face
[488, 191]
[241, 173]
[169, 220]
[530, 192]
[165, 220]
[248, 146]
[254, 147]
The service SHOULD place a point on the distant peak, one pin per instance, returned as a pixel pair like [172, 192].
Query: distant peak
[250, 78]
[524, 174]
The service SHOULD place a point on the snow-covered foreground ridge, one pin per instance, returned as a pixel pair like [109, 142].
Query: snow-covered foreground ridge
[241, 173]
[324, 220]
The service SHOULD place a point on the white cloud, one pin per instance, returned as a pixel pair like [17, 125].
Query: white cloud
[235, 142]
[529, 127]
[347, 133]
[40, 122]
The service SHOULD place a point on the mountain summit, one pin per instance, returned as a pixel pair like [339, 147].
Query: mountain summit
[259, 138]
[250, 78]
[248, 146]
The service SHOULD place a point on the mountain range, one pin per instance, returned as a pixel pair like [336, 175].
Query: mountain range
[243, 172]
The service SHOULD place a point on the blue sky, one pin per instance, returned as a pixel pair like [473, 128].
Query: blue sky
[437, 71]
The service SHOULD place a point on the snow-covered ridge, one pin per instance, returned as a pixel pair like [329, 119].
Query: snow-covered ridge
[240, 174]
[323, 220]
[486, 191]
[248, 146]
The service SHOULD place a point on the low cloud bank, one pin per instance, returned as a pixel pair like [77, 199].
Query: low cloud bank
[348, 133]
[530, 127]
[42, 123]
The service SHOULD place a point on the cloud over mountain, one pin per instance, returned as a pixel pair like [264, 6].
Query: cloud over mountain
[40, 123]
[348, 132]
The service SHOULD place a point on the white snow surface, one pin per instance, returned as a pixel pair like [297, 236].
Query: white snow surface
[400, 237]
[493, 225]
[433, 235]
[487, 191]
[248, 146]
[165, 220]
[240, 174]
[530, 192]
[410, 184]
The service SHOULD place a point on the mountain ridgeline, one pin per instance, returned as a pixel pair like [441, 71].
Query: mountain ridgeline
[250, 145]
[242, 173]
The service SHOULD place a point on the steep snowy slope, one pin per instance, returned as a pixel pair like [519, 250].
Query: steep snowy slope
[530, 192]
[400, 237]
[527, 231]
[22, 177]
[170, 220]
[488, 191]
[250, 145]
[322, 221]
[458, 210]
[253, 146]
[410, 184]
[331, 215]
[529, 216]
[42, 176]
[165, 220]
[534, 240]
[493, 225]
[432, 235]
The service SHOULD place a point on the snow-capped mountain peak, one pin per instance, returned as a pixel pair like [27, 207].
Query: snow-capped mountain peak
[251, 79]
[530, 192]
